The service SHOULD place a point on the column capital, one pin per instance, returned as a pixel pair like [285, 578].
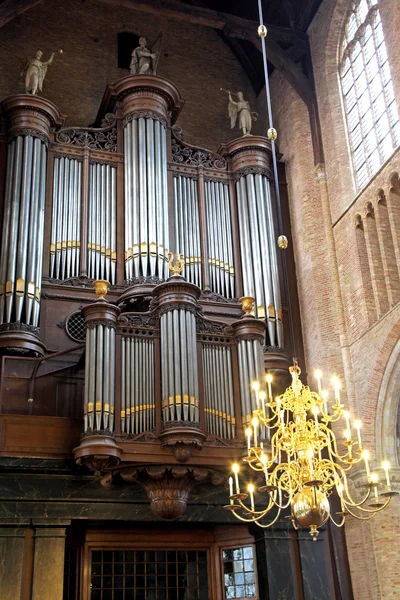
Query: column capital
[250, 154]
[31, 115]
[146, 96]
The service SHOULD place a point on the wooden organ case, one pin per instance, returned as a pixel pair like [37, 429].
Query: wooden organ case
[151, 385]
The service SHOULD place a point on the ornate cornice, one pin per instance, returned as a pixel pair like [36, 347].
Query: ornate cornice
[103, 138]
[185, 154]
[252, 171]
[144, 114]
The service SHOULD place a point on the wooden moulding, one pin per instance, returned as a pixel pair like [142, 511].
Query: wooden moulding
[248, 154]
[142, 93]
[36, 436]
[18, 340]
[98, 453]
[31, 114]
[167, 487]
[100, 312]
[249, 328]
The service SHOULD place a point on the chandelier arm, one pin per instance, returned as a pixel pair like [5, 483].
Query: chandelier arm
[365, 510]
[337, 524]
[266, 525]
[350, 500]
[370, 516]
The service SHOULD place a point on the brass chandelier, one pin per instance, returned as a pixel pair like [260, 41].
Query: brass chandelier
[302, 462]
[291, 443]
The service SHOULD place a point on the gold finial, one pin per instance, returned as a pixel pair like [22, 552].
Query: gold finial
[101, 288]
[247, 304]
[262, 31]
[283, 242]
[272, 133]
[176, 263]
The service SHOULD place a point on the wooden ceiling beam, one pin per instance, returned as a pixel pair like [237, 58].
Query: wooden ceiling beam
[9, 9]
[234, 27]
[198, 15]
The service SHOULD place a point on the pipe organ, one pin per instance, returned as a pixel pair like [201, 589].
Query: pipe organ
[169, 359]
[187, 226]
[65, 225]
[137, 385]
[219, 239]
[146, 195]
[102, 232]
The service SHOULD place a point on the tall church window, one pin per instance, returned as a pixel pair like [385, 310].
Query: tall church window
[369, 101]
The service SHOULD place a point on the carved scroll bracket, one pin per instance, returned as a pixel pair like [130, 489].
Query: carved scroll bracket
[167, 487]
[185, 154]
[103, 138]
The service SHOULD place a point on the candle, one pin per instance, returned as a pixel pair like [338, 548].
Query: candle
[386, 467]
[265, 468]
[256, 387]
[250, 489]
[318, 376]
[310, 455]
[365, 456]
[248, 434]
[336, 385]
[374, 479]
[230, 486]
[315, 411]
[235, 469]
[282, 414]
[262, 398]
[357, 425]
[347, 434]
[346, 415]
[324, 395]
[268, 379]
[255, 427]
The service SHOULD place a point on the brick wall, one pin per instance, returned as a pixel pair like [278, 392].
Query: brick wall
[195, 58]
[360, 350]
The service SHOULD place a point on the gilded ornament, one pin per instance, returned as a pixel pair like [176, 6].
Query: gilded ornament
[101, 288]
[176, 263]
[283, 242]
[262, 31]
[247, 304]
[272, 134]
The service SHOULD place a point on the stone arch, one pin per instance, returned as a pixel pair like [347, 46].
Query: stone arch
[387, 410]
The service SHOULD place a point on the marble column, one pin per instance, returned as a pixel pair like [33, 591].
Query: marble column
[48, 566]
[12, 540]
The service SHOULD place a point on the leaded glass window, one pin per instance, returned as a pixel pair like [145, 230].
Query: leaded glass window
[239, 572]
[369, 102]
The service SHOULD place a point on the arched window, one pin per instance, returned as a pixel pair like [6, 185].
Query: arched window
[369, 102]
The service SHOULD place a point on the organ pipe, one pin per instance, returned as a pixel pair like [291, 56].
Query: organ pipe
[23, 226]
[146, 198]
[137, 386]
[258, 252]
[99, 395]
[219, 239]
[186, 209]
[66, 217]
[102, 222]
[218, 391]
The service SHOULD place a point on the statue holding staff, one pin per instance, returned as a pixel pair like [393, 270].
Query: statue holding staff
[240, 109]
[144, 61]
[35, 71]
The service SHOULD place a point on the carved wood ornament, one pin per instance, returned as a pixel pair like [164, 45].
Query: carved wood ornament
[167, 488]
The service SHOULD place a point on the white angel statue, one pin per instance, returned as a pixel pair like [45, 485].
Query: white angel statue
[241, 110]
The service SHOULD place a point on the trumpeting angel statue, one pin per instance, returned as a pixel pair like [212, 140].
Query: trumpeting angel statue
[240, 110]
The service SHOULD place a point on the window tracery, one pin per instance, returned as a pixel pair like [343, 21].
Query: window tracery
[368, 96]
